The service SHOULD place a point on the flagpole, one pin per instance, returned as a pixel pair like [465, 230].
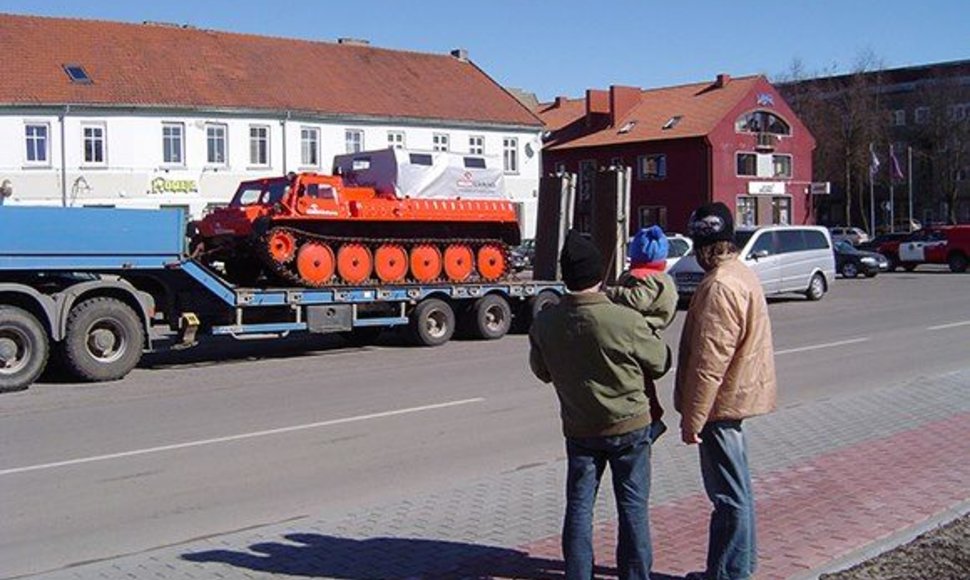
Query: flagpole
[909, 226]
[892, 189]
[872, 194]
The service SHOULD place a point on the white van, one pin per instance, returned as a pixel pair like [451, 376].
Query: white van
[787, 259]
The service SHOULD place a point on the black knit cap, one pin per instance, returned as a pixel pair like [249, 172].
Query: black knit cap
[581, 262]
[711, 223]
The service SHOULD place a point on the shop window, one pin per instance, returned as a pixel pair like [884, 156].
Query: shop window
[747, 211]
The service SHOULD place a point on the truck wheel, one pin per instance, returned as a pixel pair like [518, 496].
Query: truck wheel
[23, 349]
[490, 317]
[816, 288]
[532, 307]
[104, 340]
[957, 262]
[432, 322]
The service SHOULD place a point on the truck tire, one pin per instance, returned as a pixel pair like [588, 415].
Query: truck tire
[432, 322]
[104, 340]
[24, 349]
[957, 262]
[532, 307]
[490, 317]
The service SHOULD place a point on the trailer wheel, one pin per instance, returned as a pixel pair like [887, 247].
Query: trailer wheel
[23, 349]
[432, 322]
[104, 340]
[490, 317]
[532, 307]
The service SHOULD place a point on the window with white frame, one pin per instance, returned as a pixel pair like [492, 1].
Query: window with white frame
[94, 138]
[173, 143]
[747, 210]
[354, 139]
[258, 145]
[309, 146]
[439, 142]
[37, 137]
[781, 166]
[215, 143]
[395, 139]
[652, 166]
[899, 118]
[476, 145]
[747, 164]
[510, 154]
[922, 115]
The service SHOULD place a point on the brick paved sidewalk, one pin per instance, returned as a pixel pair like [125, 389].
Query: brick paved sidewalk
[831, 477]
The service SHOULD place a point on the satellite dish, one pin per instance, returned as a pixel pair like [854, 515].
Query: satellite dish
[529, 150]
[6, 188]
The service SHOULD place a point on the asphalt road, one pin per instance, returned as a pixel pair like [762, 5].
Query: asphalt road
[234, 436]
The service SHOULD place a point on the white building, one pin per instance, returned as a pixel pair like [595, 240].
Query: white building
[104, 113]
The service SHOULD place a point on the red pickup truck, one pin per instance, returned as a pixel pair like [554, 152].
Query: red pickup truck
[932, 245]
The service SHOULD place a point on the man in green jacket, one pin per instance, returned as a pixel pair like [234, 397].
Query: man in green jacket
[597, 355]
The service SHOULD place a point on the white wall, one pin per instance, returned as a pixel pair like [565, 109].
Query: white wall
[134, 157]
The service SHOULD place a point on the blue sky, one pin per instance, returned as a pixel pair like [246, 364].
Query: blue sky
[564, 47]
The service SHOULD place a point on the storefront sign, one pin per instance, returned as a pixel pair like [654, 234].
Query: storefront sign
[766, 187]
[162, 185]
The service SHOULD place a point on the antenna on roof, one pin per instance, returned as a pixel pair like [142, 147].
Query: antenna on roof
[166, 24]
[353, 41]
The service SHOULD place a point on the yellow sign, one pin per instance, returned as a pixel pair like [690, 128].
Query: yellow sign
[162, 185]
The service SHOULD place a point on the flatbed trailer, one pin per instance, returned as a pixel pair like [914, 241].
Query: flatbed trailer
[87, 285]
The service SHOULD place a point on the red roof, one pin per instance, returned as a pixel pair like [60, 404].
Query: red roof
[700, 106]
[168, 66]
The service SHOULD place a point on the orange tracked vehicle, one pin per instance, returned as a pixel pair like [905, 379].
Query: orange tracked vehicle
[316, 230]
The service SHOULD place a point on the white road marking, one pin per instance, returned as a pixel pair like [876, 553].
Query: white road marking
[240, 436]
[820, 346]
[951, 325]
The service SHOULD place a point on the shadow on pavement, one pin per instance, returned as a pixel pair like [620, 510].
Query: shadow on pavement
[315, 555]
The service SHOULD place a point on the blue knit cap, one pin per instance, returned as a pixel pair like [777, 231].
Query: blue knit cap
[649, 245]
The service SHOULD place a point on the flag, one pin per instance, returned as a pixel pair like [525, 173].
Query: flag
[873, 162]
[896, 169]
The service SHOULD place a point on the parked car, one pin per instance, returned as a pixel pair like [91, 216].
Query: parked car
[522, 256]
[851, 261]
[787, 259]
[854, 236]
[877, 243]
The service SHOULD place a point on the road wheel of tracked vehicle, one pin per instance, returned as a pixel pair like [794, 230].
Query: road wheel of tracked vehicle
[104, 340]
[459, 262]
[23, 349]
[391, 263]
[432, 322]
[490, 317]
[491, 262]
[425, 263]
[281, 245]
[315, 264]
[354, 263]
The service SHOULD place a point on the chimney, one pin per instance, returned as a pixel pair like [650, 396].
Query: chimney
[722, 80]
[461, 54]
[622, 101]
[597, 103]
[560, 102]
[353, 41]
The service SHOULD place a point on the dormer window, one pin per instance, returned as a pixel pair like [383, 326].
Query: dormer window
[77, 74]
[672, 122]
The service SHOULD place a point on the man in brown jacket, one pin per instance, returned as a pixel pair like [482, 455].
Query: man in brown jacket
[725, 374]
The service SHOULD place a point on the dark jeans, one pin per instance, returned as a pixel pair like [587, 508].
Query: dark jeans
[628, 456]
[732, 552]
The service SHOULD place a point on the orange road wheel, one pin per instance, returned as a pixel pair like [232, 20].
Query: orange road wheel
[282, 246]
[459, 262]
[354, 263]
[425, 263]
[315, 264]
[491, 262]
[391, 263]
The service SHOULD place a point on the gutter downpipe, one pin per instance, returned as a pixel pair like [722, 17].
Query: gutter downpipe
[63, 115]
[283, 125]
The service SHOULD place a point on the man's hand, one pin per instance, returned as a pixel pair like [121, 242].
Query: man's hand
[689, 437]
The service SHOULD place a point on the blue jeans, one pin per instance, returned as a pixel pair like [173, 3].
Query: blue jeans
[628, 456]
[732, 551]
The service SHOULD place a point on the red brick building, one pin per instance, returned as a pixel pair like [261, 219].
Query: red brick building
[733, 140]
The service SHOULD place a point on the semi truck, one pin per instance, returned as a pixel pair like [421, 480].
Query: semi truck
[86, 287]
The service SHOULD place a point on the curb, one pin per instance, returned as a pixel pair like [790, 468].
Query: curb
[888, 543]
